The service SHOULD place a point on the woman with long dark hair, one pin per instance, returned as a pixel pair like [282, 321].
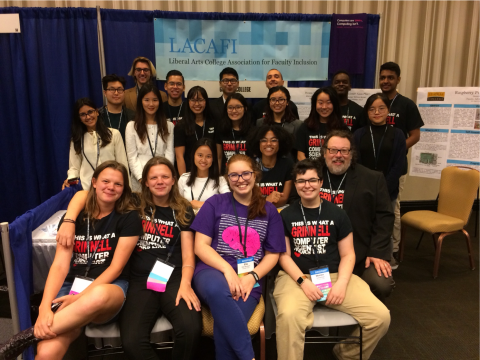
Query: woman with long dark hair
[204, 180]
[325, 116]
[149, 135]
[231, 138]
[238, 240]
[91, 144]
[87, 278]
[196, 124]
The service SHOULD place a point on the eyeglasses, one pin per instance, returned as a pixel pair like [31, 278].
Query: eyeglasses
[234, 108]
[231, 81]
[139, 70]
[177, 84]
[281, 101]
[271, 141]
[196, 101]
[312, 181]
[335, 151]
[89, 113]
[246, 175]
[112, 90]
[381, 109]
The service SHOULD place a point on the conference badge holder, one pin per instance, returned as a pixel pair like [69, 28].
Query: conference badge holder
[159, 275]
[244, 266]
[321, 278]
[79, 284]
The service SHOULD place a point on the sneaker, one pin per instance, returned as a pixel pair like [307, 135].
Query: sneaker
[394, 263]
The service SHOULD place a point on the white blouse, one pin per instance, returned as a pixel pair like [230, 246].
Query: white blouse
[186, 191]
[80, 167]
[139, 153]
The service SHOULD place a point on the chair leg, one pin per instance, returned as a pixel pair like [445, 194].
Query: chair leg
[438, 249]
[469, 248]
[419, 241]
[262, 341]
[434, 241]
[402, 243]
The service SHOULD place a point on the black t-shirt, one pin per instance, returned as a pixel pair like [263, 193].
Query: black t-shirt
[275, 178]
[383, 154]
[404, 114]
[337, 187]
[103, 235]
[260, 107]
[231, 144]
[310, 142]
[155, 242]
[174, 113]
[117, 121]
[180, 138]
[352, 115]
[334, 225]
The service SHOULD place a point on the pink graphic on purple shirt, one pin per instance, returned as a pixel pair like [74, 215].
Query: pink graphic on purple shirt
[230, 236]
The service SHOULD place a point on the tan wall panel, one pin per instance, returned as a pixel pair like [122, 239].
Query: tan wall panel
[436, 43]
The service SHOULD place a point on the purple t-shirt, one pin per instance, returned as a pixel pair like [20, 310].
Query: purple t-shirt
[216, 219]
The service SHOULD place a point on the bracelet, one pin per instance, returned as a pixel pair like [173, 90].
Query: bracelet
[255, 275]
[69, 221]
[188, 266]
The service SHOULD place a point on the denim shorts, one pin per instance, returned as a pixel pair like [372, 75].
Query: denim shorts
[122, 284]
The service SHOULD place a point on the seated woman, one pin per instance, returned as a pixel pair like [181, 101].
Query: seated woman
[271, 144]
[196, 124]
[204, 180]
[149, 135]
[319, 235]
[109, 217]
[238, 240]
[92, 143]
[381, 147]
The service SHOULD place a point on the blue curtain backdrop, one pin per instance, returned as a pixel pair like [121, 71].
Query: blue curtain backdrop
[45, 68]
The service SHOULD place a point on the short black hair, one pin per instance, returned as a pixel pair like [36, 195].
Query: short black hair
[341, 72]
[175, 73]
[391, 66]
[303, 166]
[285, 140]
[230, 71]
[112, 78]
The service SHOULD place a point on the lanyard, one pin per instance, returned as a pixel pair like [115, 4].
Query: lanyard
[119, 123]
[150, 144]
[315, 250]
[98, 152]
[244, 244]
[170, 112]
[203, 130]
[90, 258]
[330, 183]
[237, 149]
[170, 248]
[391, 104]
[379, 145]
[204, 186]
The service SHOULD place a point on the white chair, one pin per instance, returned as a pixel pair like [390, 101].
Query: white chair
[106, 338]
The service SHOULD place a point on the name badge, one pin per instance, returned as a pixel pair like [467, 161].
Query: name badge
[79, 284]
[244, 266]
[321, 279]
[159, 275]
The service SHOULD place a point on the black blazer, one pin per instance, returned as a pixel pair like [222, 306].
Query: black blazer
[369, 208]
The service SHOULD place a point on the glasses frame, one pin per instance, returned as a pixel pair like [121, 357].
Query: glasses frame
[240, 176]
[231, 81]
[139, 70]
[235, 108]
[197, 101]
[120, 91]
[315, 181]
[280, 101]
[344, 152]
[88, 113]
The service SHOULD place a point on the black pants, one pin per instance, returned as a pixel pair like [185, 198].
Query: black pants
[380, 286]
[142, 309]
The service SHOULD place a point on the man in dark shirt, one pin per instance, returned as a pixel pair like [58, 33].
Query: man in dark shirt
[229, 84]
[274, 78]
[363, 194]
[403, 114]
[352, 113]
[174, 108]
[115, 115]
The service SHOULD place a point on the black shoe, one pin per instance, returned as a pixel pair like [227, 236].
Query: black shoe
[17, 344]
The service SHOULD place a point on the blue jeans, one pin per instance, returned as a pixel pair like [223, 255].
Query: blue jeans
[230, 331]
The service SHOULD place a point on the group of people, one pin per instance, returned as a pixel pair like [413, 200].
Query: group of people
[204, 180]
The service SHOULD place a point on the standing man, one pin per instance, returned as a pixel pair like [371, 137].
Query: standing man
[142, 72]
[403, 114]
[319, 235]
[363, 194]
[352, 113]
[274, 78]
[175, 86]
[115, 115]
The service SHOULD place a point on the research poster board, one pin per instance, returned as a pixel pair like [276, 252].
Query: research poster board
[451, 134]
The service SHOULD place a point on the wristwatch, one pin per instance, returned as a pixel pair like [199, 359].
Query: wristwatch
[254, 274]
[301, 279]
